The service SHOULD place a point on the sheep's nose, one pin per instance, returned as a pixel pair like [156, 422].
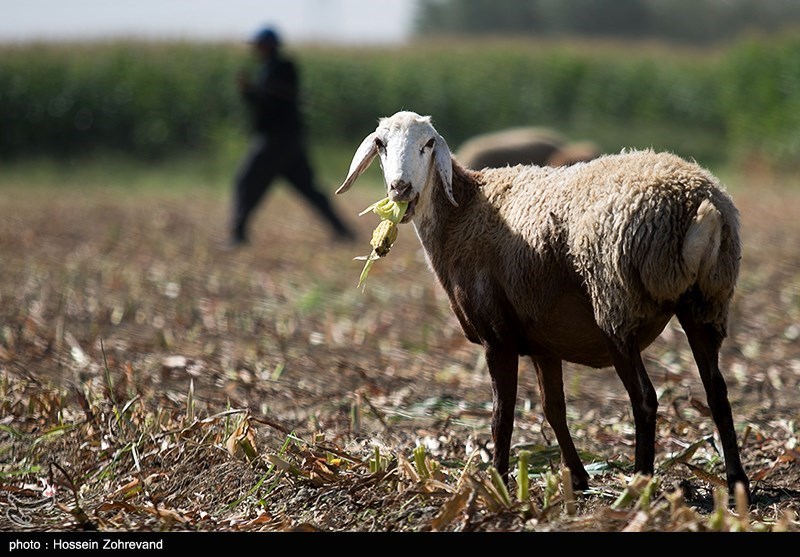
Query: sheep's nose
[399, 189]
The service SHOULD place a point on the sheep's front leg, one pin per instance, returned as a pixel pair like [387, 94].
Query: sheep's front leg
[503, 367]
[630, 369]
[551, 388]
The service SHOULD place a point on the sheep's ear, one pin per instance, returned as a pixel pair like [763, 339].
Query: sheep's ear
[361, 160]
[444, 166]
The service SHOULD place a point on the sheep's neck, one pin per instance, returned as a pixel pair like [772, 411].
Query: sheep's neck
[439, 216]
[441, 226]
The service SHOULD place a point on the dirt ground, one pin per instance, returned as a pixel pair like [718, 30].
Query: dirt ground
[153, 381]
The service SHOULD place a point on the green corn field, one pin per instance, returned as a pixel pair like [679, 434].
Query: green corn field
[153, 100]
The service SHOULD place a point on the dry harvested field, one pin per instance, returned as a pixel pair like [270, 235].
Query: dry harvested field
[154, 381]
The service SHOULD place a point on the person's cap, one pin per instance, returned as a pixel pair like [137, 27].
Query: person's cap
[266, 35]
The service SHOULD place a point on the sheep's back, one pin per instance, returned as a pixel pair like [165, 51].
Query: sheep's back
[619, 222]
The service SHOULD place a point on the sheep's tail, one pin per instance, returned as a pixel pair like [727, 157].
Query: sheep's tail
[701, 244]
[711, 253]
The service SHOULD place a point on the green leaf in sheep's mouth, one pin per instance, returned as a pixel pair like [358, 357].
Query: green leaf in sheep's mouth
[387, 210]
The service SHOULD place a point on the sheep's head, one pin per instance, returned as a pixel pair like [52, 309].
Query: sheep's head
[411, 153]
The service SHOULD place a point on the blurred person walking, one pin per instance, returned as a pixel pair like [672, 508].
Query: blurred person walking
[278, 145]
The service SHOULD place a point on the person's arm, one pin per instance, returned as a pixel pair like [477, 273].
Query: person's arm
[280, 86]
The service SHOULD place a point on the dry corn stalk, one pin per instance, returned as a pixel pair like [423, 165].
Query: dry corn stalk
[384, 235]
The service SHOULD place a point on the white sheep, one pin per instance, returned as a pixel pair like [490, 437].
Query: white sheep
[571, 153]
[585, 263]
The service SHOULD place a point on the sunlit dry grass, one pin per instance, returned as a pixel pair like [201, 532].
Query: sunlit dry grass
[158, 381]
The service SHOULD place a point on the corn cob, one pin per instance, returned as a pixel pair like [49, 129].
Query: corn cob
[384, 235]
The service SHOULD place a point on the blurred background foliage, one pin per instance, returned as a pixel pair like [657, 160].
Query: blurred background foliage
[699, 22]
[692, 77]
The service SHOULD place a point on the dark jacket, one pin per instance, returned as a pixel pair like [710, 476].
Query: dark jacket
[273, 97]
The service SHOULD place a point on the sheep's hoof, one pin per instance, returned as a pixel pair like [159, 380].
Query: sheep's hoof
[580, 483]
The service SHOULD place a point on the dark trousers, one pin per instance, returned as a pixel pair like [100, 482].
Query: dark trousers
[269, 157]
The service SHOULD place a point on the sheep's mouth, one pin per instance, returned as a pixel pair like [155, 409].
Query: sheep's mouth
[410, 210]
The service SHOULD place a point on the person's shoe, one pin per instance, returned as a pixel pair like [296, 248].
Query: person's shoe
[234, 243]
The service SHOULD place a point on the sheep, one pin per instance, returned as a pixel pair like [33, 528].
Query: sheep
[509, 147]
[571, 153]
[585, 264]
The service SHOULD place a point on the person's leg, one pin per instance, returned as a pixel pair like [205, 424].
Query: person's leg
[301, 176]
[255, 174]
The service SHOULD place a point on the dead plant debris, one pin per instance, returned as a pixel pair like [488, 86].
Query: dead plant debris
[151, 381]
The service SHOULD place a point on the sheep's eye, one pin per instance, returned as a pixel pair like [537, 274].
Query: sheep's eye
[428, 145]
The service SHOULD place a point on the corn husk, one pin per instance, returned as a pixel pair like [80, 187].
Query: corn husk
[384, 235]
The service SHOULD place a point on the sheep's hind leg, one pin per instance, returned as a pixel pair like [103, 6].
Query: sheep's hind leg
[705, 343]
[630, 369]
[551, 388]
[503, 367]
